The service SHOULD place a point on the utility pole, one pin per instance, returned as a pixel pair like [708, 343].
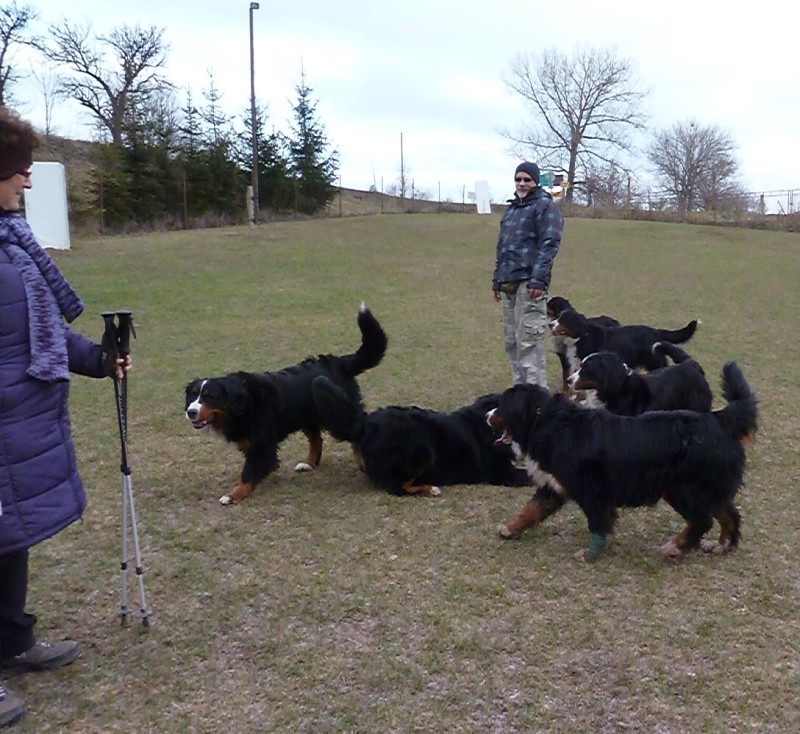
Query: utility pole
[254, 175]
[402, 176]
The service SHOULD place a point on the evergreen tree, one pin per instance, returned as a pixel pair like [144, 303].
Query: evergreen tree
[226, 185]
[275, 185]
[276, 190]
[136, 180]
[194, 172]
[150, 144]
[312, 166]
[109, 187]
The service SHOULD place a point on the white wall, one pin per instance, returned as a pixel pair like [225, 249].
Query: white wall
[482, 200]
[46, 205]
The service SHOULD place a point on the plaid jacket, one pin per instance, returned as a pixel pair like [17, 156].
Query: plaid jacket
[530, 234]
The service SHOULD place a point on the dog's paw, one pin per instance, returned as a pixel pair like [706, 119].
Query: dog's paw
[505, 533]
[226, 499]
[713, 547]
[434, 492]
[303, 466]
[670, 549]
[583, 556]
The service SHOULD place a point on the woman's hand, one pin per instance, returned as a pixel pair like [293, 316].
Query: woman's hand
[124, 365]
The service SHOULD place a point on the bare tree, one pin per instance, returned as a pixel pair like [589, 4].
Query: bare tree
[109, 89]
[46, 80]
[695, 166]
[584, 107]
[14, 20]
[609, 186]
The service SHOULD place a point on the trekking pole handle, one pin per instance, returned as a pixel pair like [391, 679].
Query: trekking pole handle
[125, 330]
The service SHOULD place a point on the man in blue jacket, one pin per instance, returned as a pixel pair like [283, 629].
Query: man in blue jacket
[40, 489]
[530, 234]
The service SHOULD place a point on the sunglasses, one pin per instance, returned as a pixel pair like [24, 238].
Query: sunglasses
[523, 179]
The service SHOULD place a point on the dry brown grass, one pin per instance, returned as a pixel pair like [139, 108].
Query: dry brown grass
[322, 604]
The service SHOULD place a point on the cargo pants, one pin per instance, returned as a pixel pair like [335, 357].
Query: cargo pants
[524, 335]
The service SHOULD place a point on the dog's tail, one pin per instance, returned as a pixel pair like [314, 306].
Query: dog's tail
[740, 415]
[678, 336]
[343, 418]
[675, 353]
[373, 344]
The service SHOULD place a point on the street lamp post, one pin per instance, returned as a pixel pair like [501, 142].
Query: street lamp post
[254, 177]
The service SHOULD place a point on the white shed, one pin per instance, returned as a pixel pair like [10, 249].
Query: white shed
[46, 205]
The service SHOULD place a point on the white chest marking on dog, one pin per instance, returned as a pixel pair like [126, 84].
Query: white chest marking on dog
[571, 354]
[592, 401]
[537, 474]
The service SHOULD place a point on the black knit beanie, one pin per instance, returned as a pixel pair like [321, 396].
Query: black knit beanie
[530, 168]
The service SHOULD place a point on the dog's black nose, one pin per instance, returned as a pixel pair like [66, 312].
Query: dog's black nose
[192, 414]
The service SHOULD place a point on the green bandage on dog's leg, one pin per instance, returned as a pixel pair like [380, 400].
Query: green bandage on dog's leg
[596, 544]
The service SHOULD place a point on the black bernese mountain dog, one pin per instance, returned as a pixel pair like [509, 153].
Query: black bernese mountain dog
[257, 411]
[633, 343]
[562, 346]
[556, 305]
[693, 461]
[410, 450]
[624, 391]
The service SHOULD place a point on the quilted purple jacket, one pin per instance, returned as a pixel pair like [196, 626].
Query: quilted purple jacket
[40, 489]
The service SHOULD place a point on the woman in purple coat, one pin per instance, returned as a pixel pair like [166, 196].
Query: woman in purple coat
[40, 490]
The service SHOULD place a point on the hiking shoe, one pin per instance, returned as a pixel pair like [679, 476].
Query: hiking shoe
[11, 707]
[43, 656]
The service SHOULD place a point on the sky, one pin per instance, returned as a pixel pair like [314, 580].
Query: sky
[432, 74]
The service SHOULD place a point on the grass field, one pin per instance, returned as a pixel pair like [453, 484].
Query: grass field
[324, 605]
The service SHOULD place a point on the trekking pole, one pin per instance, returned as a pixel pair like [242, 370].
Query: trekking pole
[120, 336]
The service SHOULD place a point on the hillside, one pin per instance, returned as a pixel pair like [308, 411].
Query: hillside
[77, 157]
[352, 202]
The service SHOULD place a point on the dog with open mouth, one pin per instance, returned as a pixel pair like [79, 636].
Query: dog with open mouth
[257, 411]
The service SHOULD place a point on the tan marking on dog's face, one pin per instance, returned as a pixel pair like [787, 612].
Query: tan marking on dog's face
[578, 382]
[202, 415]
[559, 330]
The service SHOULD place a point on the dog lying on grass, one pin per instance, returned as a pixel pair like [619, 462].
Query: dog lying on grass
[410, 450]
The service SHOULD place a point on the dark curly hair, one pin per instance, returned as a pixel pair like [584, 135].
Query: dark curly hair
[18, 140]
